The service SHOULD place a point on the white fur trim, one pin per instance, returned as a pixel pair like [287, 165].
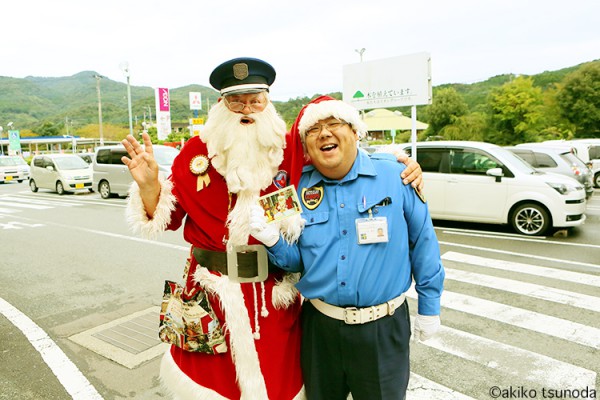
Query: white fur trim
[285, 292]
[136, 215]
[179, 386]
[316, 112]
[243, 351]
[291, 228]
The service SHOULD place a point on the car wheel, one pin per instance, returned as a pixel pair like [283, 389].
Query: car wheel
[20, 181]
[597, 180]
[530, 219]
[104, 189]
[33, 186]
[60, 189]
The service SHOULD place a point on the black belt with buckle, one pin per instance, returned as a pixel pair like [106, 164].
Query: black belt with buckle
[248, 264]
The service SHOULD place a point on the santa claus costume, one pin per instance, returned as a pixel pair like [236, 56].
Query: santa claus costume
[215, 180]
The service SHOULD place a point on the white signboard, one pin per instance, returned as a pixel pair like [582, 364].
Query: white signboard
[163, 113]
[390, 82]
[195, 101]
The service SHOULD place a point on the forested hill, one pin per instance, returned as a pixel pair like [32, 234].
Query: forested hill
[47, 105]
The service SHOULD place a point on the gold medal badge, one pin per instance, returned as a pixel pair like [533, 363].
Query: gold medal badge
[199, 166]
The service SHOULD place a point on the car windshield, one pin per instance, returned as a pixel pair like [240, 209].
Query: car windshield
[74, 162]
[165, 155]
[517, 162]
[573, 160]
[10, 161]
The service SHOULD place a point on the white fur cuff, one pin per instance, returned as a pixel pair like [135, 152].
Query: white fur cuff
[138, 219]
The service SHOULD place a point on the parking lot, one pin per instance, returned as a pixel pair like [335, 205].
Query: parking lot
[518, 312]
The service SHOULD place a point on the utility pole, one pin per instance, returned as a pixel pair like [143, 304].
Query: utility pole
[98, 77]
[125, 68]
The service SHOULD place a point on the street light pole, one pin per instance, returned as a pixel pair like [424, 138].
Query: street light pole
[1, 146]
[98, 77]
[360, 53]
[125, 69]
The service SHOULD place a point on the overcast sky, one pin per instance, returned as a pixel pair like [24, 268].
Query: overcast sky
[173, 43]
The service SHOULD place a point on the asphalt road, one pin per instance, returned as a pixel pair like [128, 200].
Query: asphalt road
[520, 315]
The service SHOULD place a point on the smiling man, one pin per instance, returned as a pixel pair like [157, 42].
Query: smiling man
[367, 237]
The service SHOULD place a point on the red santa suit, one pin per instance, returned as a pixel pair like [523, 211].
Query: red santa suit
[264, 368]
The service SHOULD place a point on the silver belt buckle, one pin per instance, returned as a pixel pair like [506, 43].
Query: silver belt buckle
[261, 260]
[351, 312]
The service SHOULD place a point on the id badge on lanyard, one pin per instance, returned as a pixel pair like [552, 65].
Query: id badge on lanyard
[371, 230]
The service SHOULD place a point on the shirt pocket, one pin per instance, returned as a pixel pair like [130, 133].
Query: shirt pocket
[380, 206]
[315, 228]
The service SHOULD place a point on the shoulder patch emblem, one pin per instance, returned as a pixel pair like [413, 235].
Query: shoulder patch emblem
[312, 197]
[281, 179]
[421, 195]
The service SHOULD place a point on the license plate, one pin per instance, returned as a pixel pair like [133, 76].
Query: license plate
[79, 186]
[8, 178]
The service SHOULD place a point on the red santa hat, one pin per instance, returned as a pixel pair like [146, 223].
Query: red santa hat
[324, 107]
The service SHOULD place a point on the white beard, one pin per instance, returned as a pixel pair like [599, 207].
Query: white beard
[247, 156]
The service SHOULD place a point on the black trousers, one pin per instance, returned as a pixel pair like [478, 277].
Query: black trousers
[371, 360]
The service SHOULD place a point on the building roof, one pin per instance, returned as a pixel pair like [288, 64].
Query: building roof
[382, 119]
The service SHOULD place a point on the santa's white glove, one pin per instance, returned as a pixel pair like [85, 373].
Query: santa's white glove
[425, 327]
[263, 232]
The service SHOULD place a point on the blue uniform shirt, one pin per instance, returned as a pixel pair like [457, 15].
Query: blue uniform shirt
[338, 270]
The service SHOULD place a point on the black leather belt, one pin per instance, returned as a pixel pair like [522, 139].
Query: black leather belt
[247, 262]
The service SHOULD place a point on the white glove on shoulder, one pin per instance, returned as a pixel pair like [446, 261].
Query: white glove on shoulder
[263, 232]
[426, 326]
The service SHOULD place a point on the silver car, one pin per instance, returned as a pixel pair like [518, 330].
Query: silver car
[556, 159]
[13, 168]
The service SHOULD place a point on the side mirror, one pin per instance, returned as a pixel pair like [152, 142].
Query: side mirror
[495, 172]
[49, 167]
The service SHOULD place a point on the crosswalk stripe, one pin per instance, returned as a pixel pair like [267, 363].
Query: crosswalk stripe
[7, 211]
[534, 367]
[569, 276]
[23, 205]
[534, 321]
[27, 200]
[528, 289]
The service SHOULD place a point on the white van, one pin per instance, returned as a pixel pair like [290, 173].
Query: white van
[61, 172]
[481, 182]
[112, 177]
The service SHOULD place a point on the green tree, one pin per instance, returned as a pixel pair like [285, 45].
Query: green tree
[47, 129]
[466, 127]
[579, 99]
[515, 112]
[447, 105]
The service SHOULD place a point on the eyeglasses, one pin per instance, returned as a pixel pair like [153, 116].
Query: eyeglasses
[333, 127]
[256, 105]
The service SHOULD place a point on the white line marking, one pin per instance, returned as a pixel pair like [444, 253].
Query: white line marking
[503, 237]
[538, 368]
[558, 260]
[527, 289]
[534, 321]
[67, 373]
[21, 205]
[29, 200]
[575, 277]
